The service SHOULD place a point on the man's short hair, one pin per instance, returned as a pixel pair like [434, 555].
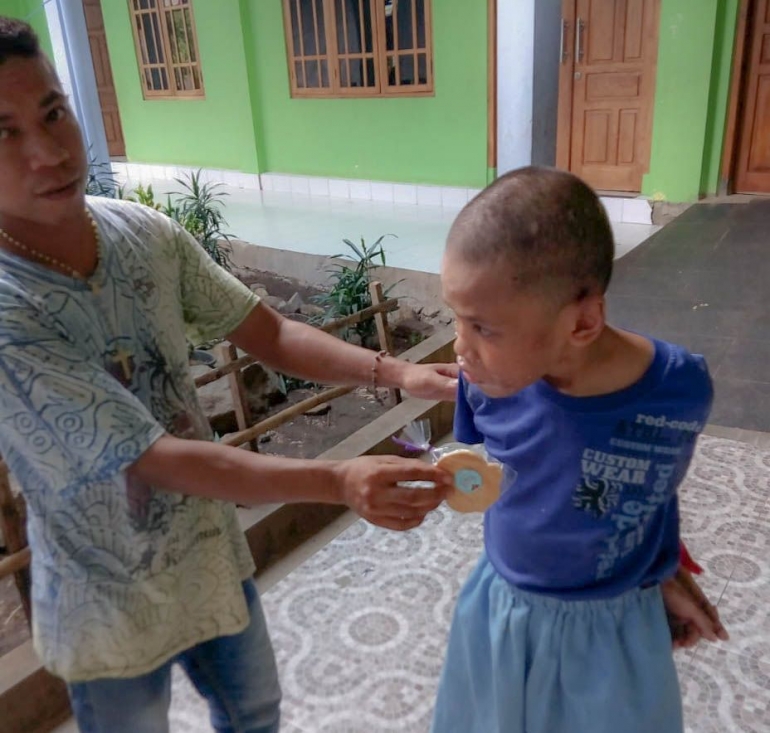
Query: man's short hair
[547, 225]
[17, 39]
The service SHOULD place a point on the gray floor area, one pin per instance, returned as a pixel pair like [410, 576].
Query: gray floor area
[704, 281]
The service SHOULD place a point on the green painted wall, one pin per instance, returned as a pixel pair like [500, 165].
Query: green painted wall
[35, 16]
[215, 132]
[253, 81]
[34, 13]
[12, 8]
[694, 57]
[438, 140]
[721, 71]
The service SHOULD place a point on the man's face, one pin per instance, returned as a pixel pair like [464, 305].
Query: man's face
[43, 166]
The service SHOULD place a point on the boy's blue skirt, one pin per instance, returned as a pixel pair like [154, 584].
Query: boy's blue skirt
[524, 663]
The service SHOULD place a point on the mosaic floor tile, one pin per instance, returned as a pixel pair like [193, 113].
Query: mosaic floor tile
[359, 629]
[725, 692]
[745, 604]
[366, 620]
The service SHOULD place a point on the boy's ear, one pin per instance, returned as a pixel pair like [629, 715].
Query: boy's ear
[590, 319]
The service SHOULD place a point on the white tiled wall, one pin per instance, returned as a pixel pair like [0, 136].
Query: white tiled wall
[403, 193]
[338, 188]
[637, 211]
[361, 190]
[620, 210]
[135, 173]
[628, 210]
[614, 207]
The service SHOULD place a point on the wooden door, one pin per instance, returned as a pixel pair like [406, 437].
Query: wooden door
[606, 90]
[752, 174]
[108, 99]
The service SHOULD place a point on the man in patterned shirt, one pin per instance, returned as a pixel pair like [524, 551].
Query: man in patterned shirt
[138, 560]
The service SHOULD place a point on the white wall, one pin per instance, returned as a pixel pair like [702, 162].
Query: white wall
[528, 34]
[545, 94]
[515, 74]
[60, 57]
[72, 58]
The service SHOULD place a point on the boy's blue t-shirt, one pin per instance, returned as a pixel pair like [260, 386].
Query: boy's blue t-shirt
[588, 506]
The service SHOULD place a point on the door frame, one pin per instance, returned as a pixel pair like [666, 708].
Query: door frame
[121, 156]
[565, 102]
[736, 99]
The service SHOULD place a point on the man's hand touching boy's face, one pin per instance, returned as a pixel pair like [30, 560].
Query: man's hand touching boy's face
[432, 381]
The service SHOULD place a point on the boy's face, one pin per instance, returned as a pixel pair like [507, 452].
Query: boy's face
[43, 163]
[506, 340]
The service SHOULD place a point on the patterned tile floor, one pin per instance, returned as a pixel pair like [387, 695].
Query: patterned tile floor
[359, 628]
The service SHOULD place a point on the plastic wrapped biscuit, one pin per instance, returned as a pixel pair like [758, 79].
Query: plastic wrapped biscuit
[476, 480]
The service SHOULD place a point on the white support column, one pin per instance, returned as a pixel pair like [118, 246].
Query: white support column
[545, 81]
[515, 72]
[527, 82]
[72, 57]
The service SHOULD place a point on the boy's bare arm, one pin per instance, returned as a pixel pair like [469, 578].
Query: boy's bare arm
[691, 615]
[368, 485]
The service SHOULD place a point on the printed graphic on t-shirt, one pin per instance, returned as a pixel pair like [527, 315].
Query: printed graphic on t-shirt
[628, 481]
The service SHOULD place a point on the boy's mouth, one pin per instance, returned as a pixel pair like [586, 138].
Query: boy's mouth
[469, 377]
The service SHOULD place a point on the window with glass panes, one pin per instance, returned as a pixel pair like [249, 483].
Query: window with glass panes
[167, 48]
[359, 48]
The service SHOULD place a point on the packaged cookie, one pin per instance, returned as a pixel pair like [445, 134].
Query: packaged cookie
[477, 477]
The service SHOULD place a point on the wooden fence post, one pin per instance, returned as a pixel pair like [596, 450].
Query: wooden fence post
[383, 332]
[238, 391]
[15, 534]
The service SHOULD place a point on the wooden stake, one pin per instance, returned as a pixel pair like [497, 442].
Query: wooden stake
[16, 563]
[383, 332]
[238, 392]
[15, 535]
[285, 416]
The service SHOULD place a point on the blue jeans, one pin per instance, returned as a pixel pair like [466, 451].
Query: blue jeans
[236, 674]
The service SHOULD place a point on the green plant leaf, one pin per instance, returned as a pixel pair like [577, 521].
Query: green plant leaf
[360, 254]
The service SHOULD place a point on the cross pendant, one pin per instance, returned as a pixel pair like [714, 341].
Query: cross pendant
[123, 358]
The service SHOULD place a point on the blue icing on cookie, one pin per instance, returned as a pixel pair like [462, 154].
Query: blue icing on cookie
[467, 480]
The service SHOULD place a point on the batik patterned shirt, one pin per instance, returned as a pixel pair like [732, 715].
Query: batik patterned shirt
[125, 575]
